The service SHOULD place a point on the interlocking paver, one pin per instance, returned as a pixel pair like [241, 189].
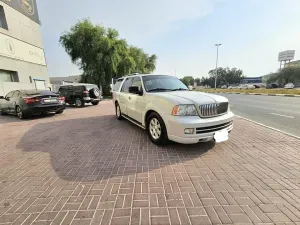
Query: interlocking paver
[86, 167]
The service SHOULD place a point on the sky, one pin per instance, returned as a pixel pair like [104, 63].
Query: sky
[181, 33]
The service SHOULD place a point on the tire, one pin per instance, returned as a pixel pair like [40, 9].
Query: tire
[118, 112]
[94, 93]
[79, 103]
[95, 103]
[20, 114]
[156, 129]
[2, 113]
[59, 111]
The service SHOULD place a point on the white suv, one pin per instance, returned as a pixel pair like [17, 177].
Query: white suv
[165, 107]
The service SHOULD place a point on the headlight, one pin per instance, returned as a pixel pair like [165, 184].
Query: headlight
[184, 110]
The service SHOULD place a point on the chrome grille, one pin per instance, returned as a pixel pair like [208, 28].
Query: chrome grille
[215, 109]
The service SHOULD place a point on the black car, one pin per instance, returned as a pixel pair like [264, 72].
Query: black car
[80, 94]
[271, 86]
[25, 103]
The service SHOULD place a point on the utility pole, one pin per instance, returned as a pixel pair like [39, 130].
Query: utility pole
[216, 75]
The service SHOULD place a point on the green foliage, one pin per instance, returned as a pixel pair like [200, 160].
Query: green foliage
[286, 75]
[102, 54]
[188, 80]
[198, 81]
[226, 76]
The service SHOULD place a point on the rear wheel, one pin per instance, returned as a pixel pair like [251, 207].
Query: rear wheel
[118, 112]
[95, 103]
[20, 114]
[157, 129]
[79, 102]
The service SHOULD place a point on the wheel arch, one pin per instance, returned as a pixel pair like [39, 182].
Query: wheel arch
[147, 115]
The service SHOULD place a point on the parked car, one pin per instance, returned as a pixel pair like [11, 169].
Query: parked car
[256, 86]
[224, 87]
[79, 94]
[25, 103]
[243, 86]
[289, 86]
[271, 86]
[165, 107]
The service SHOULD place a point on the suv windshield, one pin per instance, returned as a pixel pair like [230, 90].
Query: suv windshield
[162, 83]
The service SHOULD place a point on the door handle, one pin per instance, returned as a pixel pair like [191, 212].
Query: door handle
[129, 98]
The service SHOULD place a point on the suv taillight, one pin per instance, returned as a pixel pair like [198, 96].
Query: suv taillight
[61, 98]
[85, 92]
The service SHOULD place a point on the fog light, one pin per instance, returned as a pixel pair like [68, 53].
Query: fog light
[189, 130]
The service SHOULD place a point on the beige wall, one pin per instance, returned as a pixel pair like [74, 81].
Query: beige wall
[28, 31]
[21, 27]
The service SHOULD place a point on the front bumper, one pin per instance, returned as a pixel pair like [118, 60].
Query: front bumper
[204, 129]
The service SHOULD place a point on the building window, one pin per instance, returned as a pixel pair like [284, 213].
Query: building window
[3, 23]
[9, 76]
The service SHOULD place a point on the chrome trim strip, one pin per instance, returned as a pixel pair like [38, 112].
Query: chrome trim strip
[132, 121]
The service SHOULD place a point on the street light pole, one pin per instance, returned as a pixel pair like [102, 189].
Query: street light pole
[216, 75]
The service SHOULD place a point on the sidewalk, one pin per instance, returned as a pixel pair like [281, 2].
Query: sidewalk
[86, 167]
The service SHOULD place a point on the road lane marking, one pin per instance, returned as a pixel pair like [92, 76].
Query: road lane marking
[271, 128]
[292, 117]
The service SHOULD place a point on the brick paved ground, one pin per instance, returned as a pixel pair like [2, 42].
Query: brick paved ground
[86, 167]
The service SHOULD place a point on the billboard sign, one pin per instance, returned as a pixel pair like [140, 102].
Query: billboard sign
[26, 7]
[286, 55]
[16, 49]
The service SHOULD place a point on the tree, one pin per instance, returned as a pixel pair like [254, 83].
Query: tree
[286, 75]
[198, 81]
[226, 76]
[188, 80]
[102, 54]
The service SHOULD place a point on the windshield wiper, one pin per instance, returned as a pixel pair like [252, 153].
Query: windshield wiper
[179, 89]
[159, 89]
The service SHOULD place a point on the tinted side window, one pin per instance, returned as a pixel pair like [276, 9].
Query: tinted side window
[126, 85]
[16, 94]
[10, 94]
[137, 82]
[117, 85]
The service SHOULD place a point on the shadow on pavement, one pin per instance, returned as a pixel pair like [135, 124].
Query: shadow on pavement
[98, 148]
[5, 119]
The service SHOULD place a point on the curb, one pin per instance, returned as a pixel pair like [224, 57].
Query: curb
[241, 93]
[271, 128]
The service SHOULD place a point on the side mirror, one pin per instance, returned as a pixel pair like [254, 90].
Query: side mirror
[135, 90]
[1, 97]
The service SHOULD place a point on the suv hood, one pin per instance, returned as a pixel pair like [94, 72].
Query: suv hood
[192, 97]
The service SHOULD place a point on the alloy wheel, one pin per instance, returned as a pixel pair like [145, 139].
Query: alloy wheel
[19, 113]
[155, 128]
[118, 111]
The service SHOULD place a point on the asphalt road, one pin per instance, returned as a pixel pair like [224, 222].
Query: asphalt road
[282, 113]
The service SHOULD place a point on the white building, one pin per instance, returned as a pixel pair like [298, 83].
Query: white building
[22, 59]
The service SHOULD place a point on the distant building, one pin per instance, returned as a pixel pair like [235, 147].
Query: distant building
[56, 82]
[293, 64]
[252, 80]
[69, 79]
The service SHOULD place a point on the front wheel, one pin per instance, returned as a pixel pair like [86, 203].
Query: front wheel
[157, 129]
[2, 112]
[20, 114]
